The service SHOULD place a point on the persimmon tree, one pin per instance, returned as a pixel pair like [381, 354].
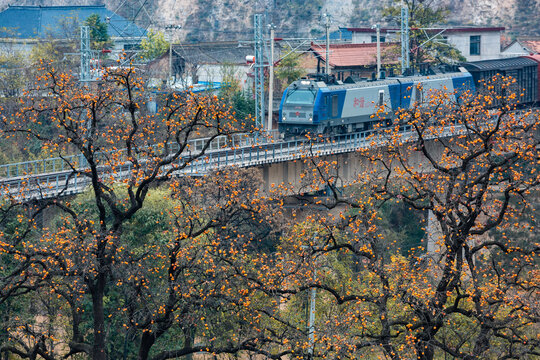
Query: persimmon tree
[113, 275]
[475, 169]
[150, 266]
[472, 169]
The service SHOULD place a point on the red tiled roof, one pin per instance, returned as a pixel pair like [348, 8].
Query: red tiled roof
[349, 55]
[532, 45]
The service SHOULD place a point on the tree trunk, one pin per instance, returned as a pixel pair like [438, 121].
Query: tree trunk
[98, 350]
[425, 351]
[189, 336]
[147, 340]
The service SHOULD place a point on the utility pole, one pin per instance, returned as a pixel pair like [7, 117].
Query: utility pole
[404, 37]
[259, 71]
[170, 29]
[311, 316]
[311, 320]
[327, 68]
[86, 54]
[271, 81]
[170, 61]
[378, 27]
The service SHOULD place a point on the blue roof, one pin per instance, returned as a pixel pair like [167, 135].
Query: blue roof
[26, 22]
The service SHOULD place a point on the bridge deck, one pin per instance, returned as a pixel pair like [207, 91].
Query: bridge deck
[53, 177]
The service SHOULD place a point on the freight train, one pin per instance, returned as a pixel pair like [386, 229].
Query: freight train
[313, 105]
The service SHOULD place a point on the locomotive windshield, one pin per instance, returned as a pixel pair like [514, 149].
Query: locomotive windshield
[300, 97]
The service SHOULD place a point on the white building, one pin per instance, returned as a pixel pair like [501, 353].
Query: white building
[474, 43]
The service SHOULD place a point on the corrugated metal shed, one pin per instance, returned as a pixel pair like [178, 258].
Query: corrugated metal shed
[27, 22]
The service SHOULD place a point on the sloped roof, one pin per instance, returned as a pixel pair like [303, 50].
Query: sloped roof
[350, 55]
[533, 45]
[508, 45]
[529, 45]
[214, 52]
[25, 22]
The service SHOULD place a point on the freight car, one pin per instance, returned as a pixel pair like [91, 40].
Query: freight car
[310, 105]
[523, 69]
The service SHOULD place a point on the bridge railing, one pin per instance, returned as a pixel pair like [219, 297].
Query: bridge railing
[44, 166]
[51, 177]
[281, 151]
[245, 153]
[78, 161]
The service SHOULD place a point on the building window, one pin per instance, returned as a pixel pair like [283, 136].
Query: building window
[475, 45]
[374, 38]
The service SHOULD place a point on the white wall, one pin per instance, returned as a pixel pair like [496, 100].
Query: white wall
[11, 46]
[490, 44]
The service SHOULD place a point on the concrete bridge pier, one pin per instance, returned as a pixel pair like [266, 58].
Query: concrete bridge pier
[434, 235]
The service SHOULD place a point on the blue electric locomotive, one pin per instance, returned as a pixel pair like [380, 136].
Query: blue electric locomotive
[312, 106]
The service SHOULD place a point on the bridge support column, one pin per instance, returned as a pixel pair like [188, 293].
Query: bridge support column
[46, 217]
[266, 179]
[345, 166]
[434, 234]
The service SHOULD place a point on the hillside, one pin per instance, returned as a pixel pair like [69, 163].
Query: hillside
[206, 20]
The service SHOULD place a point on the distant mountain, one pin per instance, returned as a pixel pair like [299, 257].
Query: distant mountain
[520, 17]
[207, 20]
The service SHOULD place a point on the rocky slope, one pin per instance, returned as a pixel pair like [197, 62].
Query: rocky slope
[232, 19]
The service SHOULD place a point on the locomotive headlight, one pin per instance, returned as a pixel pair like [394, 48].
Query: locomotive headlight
[310, 117]
[283, 118]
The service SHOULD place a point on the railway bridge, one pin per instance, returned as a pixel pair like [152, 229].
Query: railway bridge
[278, 159]
[282, 162]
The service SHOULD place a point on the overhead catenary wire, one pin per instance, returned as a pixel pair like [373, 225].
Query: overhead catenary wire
[179, 47]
